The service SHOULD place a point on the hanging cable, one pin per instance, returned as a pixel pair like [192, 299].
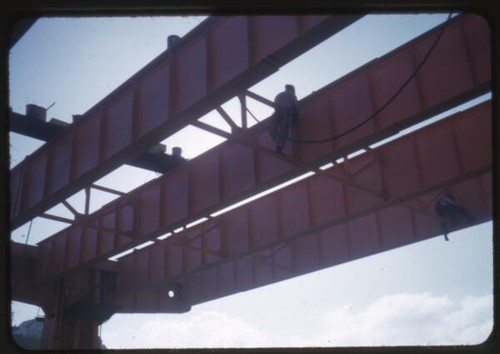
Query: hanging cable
[29, 232]
[255, 118]
[17, 199]
[386, 104]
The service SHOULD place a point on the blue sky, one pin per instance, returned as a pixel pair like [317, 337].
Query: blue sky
[433, 292]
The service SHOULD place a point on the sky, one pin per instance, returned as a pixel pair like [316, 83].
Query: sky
[433, 292]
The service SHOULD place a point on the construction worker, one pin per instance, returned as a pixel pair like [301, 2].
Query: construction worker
[285, 113]
[451, 213]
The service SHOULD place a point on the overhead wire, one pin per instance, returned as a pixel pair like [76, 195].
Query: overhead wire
[254, 117]
[29, 232]
[387, 103]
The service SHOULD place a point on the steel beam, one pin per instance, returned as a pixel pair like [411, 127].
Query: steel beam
[32, 127]
[47, 131]
[238, 169]
[377, 201]
[318, 222]
[23, 261]
[370, 234]
[185, 82]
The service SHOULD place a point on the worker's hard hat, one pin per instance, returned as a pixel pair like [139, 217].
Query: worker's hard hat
[289, 87]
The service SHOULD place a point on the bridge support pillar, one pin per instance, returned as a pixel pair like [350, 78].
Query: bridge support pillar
[70, 333]
[73, 314]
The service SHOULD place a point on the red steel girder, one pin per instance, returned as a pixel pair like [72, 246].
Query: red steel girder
[220, 58]
[374, 202]
[24, 260]
[337, 244]
[321, 221]
[46, 131]
[235, 170]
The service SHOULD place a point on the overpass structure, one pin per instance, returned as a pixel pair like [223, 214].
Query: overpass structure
[200, 236]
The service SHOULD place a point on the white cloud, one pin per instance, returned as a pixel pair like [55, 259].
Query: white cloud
[207, 329]
[400, 319]
[410, 319]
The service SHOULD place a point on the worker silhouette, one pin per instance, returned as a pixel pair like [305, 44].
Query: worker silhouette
[285, 113]
[451, 213]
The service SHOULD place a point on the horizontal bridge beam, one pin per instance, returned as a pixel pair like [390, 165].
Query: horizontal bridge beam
[48, 131]
[319, 222]
[178, 87]
[383, 230]
[311, 225]
[235, 170]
